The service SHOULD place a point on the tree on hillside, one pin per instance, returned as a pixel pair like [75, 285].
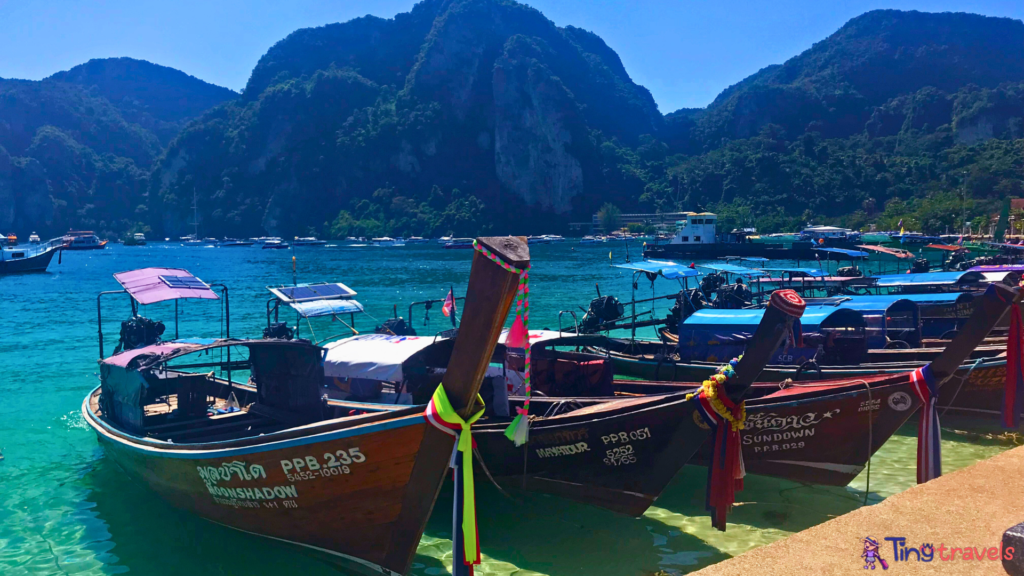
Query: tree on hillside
[609, 216]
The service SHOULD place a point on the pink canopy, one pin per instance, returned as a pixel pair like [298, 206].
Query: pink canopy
[152, 285]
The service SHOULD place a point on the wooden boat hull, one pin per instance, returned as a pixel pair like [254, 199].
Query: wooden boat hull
[618, 454]
[36, 263]
[345, 493]
[821, 435]
[971, 390]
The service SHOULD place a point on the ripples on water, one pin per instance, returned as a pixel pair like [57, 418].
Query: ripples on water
[64, 509]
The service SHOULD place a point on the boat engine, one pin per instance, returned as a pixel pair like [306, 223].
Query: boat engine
[711, 283]
[602, 309]
[137, 332]
[396, 327]
[920, 266]
[849, 272]
[278, 331]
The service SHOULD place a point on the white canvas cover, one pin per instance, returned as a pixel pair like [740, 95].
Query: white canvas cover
[372, 356]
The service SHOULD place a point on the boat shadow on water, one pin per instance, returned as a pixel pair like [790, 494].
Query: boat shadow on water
[530, 532]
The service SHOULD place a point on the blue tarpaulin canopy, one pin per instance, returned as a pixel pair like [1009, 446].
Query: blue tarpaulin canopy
[745, 321]
[804, 271]
[929, 279]
[731, 269]
[715, 335]
[670, 270]
[853, 254]
[318, 308]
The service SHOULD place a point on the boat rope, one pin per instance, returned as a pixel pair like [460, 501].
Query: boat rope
[963, 380]
[465, 541]
[487, 472]
[519, 430]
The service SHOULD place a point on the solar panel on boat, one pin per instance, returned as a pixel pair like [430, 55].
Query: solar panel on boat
[189, 282]
[315, 292]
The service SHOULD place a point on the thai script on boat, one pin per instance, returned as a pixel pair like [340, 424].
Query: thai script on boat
[561, 437]
[772, 421]
[213, 474]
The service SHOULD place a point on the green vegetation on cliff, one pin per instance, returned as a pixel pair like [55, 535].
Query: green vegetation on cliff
[469, 115]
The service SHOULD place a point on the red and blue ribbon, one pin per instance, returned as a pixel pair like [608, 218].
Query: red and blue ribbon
[929, 436]
[725, 470]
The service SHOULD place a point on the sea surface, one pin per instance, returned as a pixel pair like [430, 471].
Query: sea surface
[65, 509]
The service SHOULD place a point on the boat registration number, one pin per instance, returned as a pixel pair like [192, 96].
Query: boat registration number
[335, 463]
[624, 437]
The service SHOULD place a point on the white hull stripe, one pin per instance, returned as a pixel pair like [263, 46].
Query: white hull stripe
[360, 561]
[843, 468]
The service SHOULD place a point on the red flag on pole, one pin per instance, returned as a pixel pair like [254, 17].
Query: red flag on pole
[449, 306]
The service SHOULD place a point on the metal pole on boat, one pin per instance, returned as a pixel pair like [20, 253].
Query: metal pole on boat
[633, 291]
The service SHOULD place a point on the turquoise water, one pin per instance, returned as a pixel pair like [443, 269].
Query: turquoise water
[65, 509]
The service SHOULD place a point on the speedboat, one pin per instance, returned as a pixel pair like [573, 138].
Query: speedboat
[275, 244]
[387, 241]
[538, 240]
[34, 238]
[83, 240]
[234, 243]
[589, 240]
[553, 238]
[308, 241]
[444, 240]
[458, 243]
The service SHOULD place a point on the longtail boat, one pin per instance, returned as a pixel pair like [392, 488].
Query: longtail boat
[825, 431]
[356, 486]
[618, 453]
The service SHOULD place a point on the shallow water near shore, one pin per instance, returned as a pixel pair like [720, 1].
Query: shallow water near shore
[65, 509]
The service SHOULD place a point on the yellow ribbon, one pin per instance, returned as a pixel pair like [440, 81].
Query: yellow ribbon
[442, 408]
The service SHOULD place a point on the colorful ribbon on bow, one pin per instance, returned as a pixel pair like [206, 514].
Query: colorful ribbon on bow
[465, 538]
[929, 436]
[726, 419]
[1013, 399]
[518, 336]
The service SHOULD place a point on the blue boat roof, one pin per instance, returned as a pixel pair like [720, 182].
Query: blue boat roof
[845, 252]
[318, 308]
[746, 320]
[670, 270]
[807, 271]
[731, 269]
[929, 278]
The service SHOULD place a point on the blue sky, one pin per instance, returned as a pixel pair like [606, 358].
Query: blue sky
[685, 53]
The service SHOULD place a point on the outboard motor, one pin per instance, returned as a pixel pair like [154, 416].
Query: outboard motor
[278, 331]
[602, 309]
[711, 283]
[920, 266]
[396, 326]
[849, 272]
[137, 332]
